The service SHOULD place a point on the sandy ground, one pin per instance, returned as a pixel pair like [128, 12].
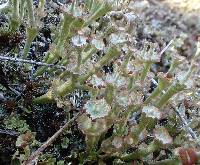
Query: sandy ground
[191, 6]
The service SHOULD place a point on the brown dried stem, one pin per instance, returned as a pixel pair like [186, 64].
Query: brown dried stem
[36, 154]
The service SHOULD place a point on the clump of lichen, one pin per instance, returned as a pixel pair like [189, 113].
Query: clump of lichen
[123, 118]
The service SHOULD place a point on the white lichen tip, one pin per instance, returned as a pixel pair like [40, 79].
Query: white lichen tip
[79, 40]
[98, 43]
[97, 108]
[151, 111]
[4, 5]
[162, 135]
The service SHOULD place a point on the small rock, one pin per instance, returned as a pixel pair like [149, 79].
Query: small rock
[139, 6]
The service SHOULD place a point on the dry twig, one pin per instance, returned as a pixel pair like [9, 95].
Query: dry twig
[5, 58]
[185, 124]
[32, 158]
[9, 132]
[166, 47]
